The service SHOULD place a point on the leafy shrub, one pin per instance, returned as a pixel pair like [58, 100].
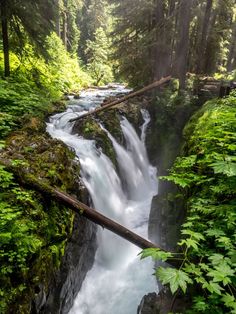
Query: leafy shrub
[206, 175]
[35, 83]
[29, 231]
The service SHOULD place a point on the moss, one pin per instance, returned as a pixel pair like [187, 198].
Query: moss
[48, 223]
[90, 129]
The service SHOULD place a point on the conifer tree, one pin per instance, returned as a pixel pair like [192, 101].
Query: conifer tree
[93, 15]
[35, 18]
[98, 58]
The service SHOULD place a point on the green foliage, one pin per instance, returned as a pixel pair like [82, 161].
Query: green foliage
[28, 231]
[64, 72]
[97, 54]
[35, 83]
[156, 254]
[176, 278]
[92, 16]
[206, 176]
[30, 22]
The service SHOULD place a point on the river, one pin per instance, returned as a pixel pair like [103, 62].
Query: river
[118, 279]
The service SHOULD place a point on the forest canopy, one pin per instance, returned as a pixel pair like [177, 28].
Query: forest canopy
[141, 40]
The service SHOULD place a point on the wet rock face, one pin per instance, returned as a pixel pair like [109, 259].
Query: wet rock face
[149, 304]
[163, 303]
[164, 141]
[53, 279]
[66, 283]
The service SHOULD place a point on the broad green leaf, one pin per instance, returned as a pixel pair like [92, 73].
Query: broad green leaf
[174, 277]
[195, 235]
[190, 243]
[215, 232]
[222, 272]
[225, 167]
[216, 259]
[229, 301]
[156, 254]
[213, 287]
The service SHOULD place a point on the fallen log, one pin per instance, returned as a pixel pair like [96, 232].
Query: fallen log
[84, 210]
[124, 98]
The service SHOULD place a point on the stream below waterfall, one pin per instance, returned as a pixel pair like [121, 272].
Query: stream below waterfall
[118, 279]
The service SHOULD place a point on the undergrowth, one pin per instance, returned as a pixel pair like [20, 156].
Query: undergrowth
[33, 229]
[35, 83]
[206, 177]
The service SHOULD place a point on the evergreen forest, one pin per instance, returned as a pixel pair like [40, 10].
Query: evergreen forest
[54, 51]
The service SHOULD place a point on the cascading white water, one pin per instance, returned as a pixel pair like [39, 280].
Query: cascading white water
[118, 279]
[147, 119]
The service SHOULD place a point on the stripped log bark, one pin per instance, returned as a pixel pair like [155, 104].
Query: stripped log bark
[122, 99]
[78, 207]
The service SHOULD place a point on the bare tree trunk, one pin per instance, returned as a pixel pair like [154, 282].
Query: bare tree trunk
[181, 60]
[5, 38]
[162, 45]
[82, 209]
[65, 25]
[232, 50]
[201, 49]
[172, 8]
[211, 49]
[58, 19]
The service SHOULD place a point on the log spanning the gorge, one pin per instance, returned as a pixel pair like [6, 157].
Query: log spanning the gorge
[82, 209]
[124, 98]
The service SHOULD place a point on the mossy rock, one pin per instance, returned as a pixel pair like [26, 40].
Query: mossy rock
[90, 129]
[50, 223]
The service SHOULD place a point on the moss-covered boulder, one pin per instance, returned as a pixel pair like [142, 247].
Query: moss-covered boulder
[110, 118]
[34, 229]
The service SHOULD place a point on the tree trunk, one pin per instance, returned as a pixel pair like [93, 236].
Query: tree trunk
[65, 25]
[232, 50]
[162, 49]
[5, 38]
[173, 16]
[201, 49]
[58, 19]
[209, 65]
[82, 209]
[181, 60]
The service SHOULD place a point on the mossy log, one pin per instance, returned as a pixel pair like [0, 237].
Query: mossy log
[90, 213]
[124, 98]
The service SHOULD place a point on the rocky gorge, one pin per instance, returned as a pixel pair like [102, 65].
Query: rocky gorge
[55, 292]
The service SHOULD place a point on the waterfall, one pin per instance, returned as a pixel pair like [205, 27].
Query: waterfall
[147, 119]
[118, 279]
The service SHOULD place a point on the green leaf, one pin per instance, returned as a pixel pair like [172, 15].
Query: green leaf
[214, 232]
[193, 269]
[222, 272]
[200, 304]
[216, 259]
[213, 287]
[156, 254]
[174, 277]
[195, 235]
[229, 301]
[190, 243]
[225, 167]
